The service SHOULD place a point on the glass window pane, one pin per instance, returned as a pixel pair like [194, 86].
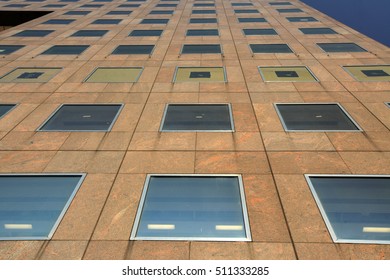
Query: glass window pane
[287, 74]
[246, 11]
[202, 32]
[30, 75]
[8, 49]
[321, 30]
[252, 20]
[289, 10]
[203, 20]
[89, 33]
[126, 13]
[301, 19]
[77, 13]
[270, 48]
[370, 73]
[198, 12]
[59, 21]
[154, 21]
[201, 49]
[241, 4]
[106, 21]
[66, 50]
[340, 47]
[115, 75]
[161, 13]
[33, 33]
[134, 49]
[263, 31]
[5, 108]
[141, 33]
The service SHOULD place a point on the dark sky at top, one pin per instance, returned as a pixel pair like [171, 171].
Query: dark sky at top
[370, 17]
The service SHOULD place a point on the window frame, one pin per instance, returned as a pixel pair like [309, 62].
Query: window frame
[268, 28]
[148, 54]
[38, 68]
[189, 20]
[10, 110]
[75, 54]
[345, 68]
[349, 51]
[178, 67]
[263, 53]
[203, 29]
[113, 67]
[182, 47]
[289, 66]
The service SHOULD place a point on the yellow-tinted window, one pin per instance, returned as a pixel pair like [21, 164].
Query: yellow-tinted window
[200, 74]
[372, 73]
[30, 75]
[287, 74]
[115, 75]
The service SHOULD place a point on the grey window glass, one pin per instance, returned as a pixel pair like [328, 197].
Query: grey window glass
[5, 108]
[136, 0]
[246, 11]
[32, 206]
[129, 5]
[89, 33]
[66, 50]
[264, 31]
[215, 48]
[119, 13]
[356, 208]
[77, 13]
[69, 0]
[102, 0]
[270, 48]
[251, 20]
[241, 4]
[340, 47]
[321, 30]
[204, 5]
[33, 33]
[59, 21]
[37, 1]
[141, 33]
[133, 49]
[54, 6]
[286, 74]
[203, 20]
[8, 49]
[17, 5]
[280, 3]
[30, 75]
[199, 12]
[166, 5]
[323, 117]
[154, 21]
[106, 21]
[193, 117]
[91, 6]
[192, 208]
[289, 10]
[82, 118]
[202, 32]
[301, 19]
[161, 13]
[375, 73]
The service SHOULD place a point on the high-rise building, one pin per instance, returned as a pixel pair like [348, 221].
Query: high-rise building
[191, 129]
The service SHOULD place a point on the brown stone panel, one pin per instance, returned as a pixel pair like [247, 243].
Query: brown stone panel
[237, 141]
[20, 250]
[24, 161]
[296, 141]
[159, 250]
[151, 118]
[163, 141]
[64, 250]
[220, 251]
[115, 141]
[106, 250]
[364, 251]
[267, 117]
[318, 251]
[272, 251]
[30, 141]
[243, 117]
[83, 141]
[367, 162]
[17, 115]
[368, 141]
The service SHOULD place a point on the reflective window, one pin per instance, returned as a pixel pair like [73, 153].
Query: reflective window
[134, 49]
[89, 33]
[280, 3]
[115, 75]
[54, 6]
[200, 74]
[202, 32]
[126, 13]
[321, 30]
[246, 11]
[262, 31]
[59, 21]
[204, 5]
[289, 10]
[77, 13]
[8, 49]
[241, 4]
[141, 33]
[286, 74]
[301, 19]
[251, 20]
[341, 47]
[197, 117]
[370, 73]
[129, 5]
[198, 12]
[91, 6]
[194, 207]
[203, 20]
[107, 21]
[215, 48]
[5, 108]
[270, 48]
[17, 5]
[161, 13]
[33, 33]
[66, 50]
[30, 75]
[356, 209]
[315, 117]
[154, 21]
[166, 5]
[32, 206]
[89, 117]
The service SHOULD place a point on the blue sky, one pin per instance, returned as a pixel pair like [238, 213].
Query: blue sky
[370, 17]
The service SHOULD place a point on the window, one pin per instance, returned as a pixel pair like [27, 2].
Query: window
[200, 12]
[214, 48]
[115, 75]
[192, 207]
[241, 4]
[30, 75]
[129, 5]
[197, 117]
[243, 20]
[322, 30]
[340, 47]
[203, 20]
[54, 6]
[8, 49]
[5, 108]
[69, 0]
[200, 74]
[126, 13]
[301, 19]
[202, 32]
[33, 204]
[91, 6]
[287, 74]
[141, 33]
[246, 11]
[289, 10]
[204, 5]
[161, 13]
[89, 33]
[315, 117]
[134, 49]
[59, 21]
[77, 117]
[33, 33]
[279, 3]
[263, 31]
[355, 208]
[370, 73]
[17, 5]
[154, 21]
[66, 50]
[270, 48]
[166, 5]
[107, 21]
[77, 13]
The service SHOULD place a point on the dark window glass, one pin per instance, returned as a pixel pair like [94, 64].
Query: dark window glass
[286, 74]
[252, 20]
[66, 49]
[8, 49]
[263, 31]
[69, 0]
[129, 5]
[215, 48]
[91, 6]
[83, 118]
[133, 49]
[202, 32]
[89, 33]
[301, 19]
[16, 5]
[356, 208]
[102, 0]
[166, 5]
[154, 21]
[161, 13]
[322, 30]
[54, 6]
[107, 21]
[279, 3]
[246, 11]
[32, 206]
[314, 117]
[37, 1]
[270, 48]
[192, 207]
[289, 10]
[30, 75]
[204, 5]
[241, 4]
[340, 47]
[33, 33]
[77, 13]
[203, 20]
[59, 21]
[119, 13]
[375, 73]
[197, 117]
[136, 0]
[200, 75]
[198, 12]
[5, 108]
[140, 33]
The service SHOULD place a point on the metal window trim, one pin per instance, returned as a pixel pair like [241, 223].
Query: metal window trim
[198, 130]
[387, 104]
[293, 66]
[65, 208]
[121, 105]
[186, 35]
[10, 110]
[162, 32]
[270, 28]
[177, 69]
[253, 53]
[17, 68]
[182, 47]
[323, 212]
[248, 238]
[358, 128]
[364, 50]
[109, 67]
[345, 68]
[149, 55]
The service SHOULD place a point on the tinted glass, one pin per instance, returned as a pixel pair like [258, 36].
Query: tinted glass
[246, 11]
[119, 13]
[197, 117]
[201, 49]
[154, 21]
[314, 117]
[322, 30]
[279, 3]
[77, 13]
[66, 49]
[137, 33]
[340, 47]
[192, 207]
[252, 20]
[5, 108]
[133, 49]
[301, 19]
[203, 20]
[91, 6]
[8, 49]
[204, 5]
[107, 21]
[357, 208]
[89, 33]
[265, 31]
[59, 21]
[54, 6]
[161, 13]
[270, 48]
[197, 12]
[83, 117]
[16, 5]
[289, 10]
[166, 5]
[375, 73]
[33, 33]
[202, 32]
[241, 4]
[129, 5]
[32, 206]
